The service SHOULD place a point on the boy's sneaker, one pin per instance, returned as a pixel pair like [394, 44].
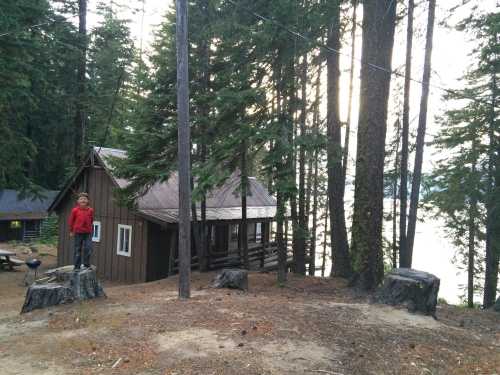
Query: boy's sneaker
[86, 266]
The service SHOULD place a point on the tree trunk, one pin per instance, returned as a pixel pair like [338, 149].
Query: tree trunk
[205, 110]
[289, 106]
[341, 263]
[281, 175]
[300, 266]
[403, 196]
[378, 38]
[80, 121]
[184, 152]
[282, 256]
[395, 200]
[323, 261]
[492, 206]
[195, 225]
[244, 187]
[472, 236]
[351, 89]
[316, 155]
[422, 124]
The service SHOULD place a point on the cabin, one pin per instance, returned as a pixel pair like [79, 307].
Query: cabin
[140, 244]
[22, 217]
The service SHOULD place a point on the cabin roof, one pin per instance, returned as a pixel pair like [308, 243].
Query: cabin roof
[15, 206]
[161, 201]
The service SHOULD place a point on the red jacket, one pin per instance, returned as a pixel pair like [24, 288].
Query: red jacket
[81, 219]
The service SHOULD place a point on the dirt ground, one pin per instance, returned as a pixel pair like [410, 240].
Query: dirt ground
[311, 326]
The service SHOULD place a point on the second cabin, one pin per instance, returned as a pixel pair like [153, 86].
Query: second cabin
[139, 245]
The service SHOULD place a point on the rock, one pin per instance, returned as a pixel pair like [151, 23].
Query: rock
[62, 285]
[231, 278]
[496, 306]
[417, 290]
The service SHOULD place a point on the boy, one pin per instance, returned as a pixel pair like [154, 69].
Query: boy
[80, 226]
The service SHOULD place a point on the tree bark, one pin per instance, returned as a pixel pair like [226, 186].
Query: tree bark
[378, 38]
[422, 124]
[395, 200]
[244, 188]
[351, 89]
[80, 122]
[184, 149]
[403, 196]
[472, 237]
[205, 110]
[341, 263]
[300, 266]
[492, 204]
[315, 156]
[323, 261]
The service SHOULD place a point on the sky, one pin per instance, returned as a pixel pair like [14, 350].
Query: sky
[450, 59]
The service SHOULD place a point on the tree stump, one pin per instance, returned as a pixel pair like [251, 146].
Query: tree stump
[231, 278]
[417, 290]
[62, 285]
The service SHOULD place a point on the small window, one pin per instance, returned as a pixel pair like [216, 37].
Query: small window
[124, 241]
[96, 231]
[258, 232]
[16, 224]
[234, 232]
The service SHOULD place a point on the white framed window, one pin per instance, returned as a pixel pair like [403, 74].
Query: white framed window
[258, 232]
[124, 241]
[96, 231]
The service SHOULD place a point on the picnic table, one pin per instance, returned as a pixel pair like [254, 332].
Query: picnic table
[6, 260]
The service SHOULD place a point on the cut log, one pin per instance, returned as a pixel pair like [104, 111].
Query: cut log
[417, 290]
[62, 285]
[231, 278]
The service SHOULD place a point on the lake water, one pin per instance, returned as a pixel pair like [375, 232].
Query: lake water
[432, 253]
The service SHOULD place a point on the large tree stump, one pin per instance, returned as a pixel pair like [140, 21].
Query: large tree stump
[231, 278]
[60, 286]
[417, 290]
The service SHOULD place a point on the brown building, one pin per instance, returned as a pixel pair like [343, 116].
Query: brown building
[24, 218]
[141, 244]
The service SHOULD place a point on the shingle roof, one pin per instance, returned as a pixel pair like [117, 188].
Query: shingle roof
[223, 203]
[13, 207]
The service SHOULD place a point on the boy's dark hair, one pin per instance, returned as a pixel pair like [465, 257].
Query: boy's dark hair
[83, 195]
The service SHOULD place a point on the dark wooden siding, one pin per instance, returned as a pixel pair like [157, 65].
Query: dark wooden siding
[110, 265]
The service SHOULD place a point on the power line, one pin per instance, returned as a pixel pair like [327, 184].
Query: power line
[338, 52]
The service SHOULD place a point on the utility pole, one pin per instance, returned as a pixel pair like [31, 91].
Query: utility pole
[184, 150]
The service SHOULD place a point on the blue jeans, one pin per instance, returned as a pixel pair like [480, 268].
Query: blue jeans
[83, 245]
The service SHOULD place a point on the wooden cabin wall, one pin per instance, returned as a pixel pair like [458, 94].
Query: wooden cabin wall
[110, 265]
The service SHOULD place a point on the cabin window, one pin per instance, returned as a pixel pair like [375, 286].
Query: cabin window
[16, 224]
[96, 231]
[124, 241]
[234, 232]
[258, 232]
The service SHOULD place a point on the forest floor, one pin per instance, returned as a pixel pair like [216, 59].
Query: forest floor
[310, 326]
